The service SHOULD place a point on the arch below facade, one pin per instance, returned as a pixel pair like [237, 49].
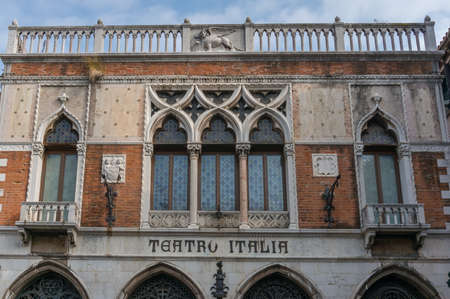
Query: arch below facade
[406, 274]
[300, 280]
[40, 269]
[160, 268]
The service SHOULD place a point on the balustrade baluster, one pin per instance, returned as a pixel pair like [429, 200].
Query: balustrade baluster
[294, 43]
[166, 42]
[24, 43]
[150, 41]
[350, 35]
[383, 37]
[400, 37]
[142, 41]
[367, 36]
[111, 36]
[269, 36]
[326, 34]
[277, 35]
[134, 36]
[375, 38]
[80, 36]
[55, 41]
[408, 37]
[358, 34]
[417, 35]
[285, 34]
[63, 41]
[174, 37]
[71, 35]
[118, 37]
[317, 32]
[86, 46]
[391, 34]
[158, 38]
[302, 45]
[126, 36]
[260, 34]
[309, 33]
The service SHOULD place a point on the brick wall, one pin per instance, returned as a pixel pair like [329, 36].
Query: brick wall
[228, 68]
[428, 187]
[14, 186]
[128, 202]
[309, 188]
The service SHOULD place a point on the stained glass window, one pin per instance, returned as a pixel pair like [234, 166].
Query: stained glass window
[170, 182]
[265, 182]
[218, 168]
[218, 133]
[265, 133]
[170, 133]
[62, 132]
[376, 133]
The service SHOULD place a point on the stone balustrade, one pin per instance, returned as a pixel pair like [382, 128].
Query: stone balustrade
[237, 38]
[394, 215]
[49, 213]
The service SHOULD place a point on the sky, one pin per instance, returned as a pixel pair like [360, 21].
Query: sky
[137, 12]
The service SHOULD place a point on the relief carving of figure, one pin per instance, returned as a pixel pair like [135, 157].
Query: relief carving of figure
[113, 169]
[210, 39]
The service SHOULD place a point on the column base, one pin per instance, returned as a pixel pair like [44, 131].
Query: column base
[293, 226]
[244, 226]
[193, 226]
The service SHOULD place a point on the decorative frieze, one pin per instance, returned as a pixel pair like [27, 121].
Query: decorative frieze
[113, 168]
[168, 219]
[325, 165]
[268, 219]
[219, 219]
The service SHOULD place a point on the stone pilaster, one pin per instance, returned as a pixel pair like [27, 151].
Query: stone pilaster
[194, 150]
[243, 149]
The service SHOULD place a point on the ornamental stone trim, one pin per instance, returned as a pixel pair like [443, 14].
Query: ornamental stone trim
[113, 168]
[325, 165]
[3, 162]
[2, 192]
[2, 177]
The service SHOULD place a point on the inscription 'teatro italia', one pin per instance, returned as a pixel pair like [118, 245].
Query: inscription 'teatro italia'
[232, 246]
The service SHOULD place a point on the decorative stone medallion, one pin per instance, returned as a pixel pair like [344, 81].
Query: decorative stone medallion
[325, 165]
[113, 168]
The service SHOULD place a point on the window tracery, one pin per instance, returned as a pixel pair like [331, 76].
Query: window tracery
[162, 286]
[275, 286]
[49, 285]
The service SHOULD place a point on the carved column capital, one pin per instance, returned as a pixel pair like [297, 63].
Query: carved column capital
[289, 149]
[81, 149]
[38, 149]
[194, 149]
[243, 149]
[148, 149]
[403, 150]
[359, 149]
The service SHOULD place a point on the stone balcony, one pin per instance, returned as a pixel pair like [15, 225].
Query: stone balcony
[394, 219]
[235, 38]
[50, 217]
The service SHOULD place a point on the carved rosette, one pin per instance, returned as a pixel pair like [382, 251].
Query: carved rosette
[289, 149]
[148, 149]
[403, 150]
[37, 149]
[359, 149]
[243, 149]
[194, 149]
[81, 149]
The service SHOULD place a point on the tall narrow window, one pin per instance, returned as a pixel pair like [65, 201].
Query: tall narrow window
[60, 162]
[380, 166]
[265, 168]
[170, 168]
[218, 171]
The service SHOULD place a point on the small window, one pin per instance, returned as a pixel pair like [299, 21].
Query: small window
[380, 165]
[60, 162]
[170, 189]
[218, 169]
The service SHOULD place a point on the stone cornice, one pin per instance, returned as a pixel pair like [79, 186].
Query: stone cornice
[227, 56]
[181, 79]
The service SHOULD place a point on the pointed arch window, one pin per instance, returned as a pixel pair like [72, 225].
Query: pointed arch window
[380, 164]
[60, 162]
[218, 169]
[266, 168]
[170, 167]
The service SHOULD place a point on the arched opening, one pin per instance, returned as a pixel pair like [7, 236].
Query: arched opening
[276, 286]
[49, 285]
[162, 286]
[392, 287]
[161, 281]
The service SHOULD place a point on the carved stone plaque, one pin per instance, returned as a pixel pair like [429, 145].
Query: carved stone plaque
[113, 168]
[325, 165]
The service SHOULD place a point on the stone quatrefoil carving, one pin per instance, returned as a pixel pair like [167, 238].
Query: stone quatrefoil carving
[237, 102]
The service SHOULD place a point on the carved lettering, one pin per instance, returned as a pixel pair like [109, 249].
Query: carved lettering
[152, 244]
[177, 244]
[201, 246]
[165, 246]
[189, 244]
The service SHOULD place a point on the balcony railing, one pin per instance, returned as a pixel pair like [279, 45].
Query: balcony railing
[247, 37]
[394, 215]
[55, 213]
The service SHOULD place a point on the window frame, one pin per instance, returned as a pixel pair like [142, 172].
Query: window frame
[171, 151]
[266, 150]
[63, 150]
[219, 150]
[377, 151]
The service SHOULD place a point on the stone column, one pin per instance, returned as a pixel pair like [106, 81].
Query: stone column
[194, 153]
[339, 33]
[291, 185]
[406, 174]
[243, 150]
[147, 153]
[99, 37]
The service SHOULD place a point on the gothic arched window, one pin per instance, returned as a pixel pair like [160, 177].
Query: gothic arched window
[162, 286]
[218, 188]
[276, 286]
[265, 168]
[60, 162]
[49, 285]
[170, 167]
[391, 287]
[380, 163]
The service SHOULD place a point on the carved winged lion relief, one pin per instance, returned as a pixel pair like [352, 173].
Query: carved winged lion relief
[213, 39]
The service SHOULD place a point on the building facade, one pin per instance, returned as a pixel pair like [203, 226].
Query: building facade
[311, 160]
